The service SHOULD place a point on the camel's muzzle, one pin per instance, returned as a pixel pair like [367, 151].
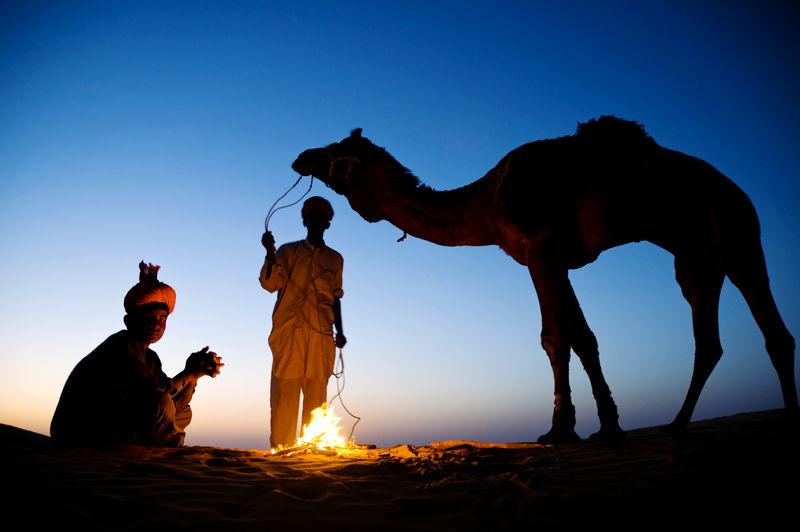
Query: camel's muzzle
[307, 163]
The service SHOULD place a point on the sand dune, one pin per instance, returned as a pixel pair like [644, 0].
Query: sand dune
[739, 470]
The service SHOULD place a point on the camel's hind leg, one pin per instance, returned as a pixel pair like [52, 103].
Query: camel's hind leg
[750, 277]
[701, 283]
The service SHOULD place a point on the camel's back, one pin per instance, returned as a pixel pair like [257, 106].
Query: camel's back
[544, 182]
[610, 184]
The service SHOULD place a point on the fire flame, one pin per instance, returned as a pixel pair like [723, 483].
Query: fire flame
[320, 434]
[322, 431]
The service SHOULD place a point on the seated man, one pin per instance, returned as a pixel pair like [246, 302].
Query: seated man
[118, 393]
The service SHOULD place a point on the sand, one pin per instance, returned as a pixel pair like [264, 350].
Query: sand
[740, 470]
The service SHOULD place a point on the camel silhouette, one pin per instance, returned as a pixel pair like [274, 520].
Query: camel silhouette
[554, 205]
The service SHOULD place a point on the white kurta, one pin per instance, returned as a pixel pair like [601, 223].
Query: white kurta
[307, 281]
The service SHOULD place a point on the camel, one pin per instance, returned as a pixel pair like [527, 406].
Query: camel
[554, 205]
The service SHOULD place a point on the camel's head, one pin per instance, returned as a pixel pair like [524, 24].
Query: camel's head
[355, 168]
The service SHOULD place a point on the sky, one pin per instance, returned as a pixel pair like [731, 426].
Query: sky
[163, 131]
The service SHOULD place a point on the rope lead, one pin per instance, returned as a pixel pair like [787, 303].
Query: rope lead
[273, 210]
[340, 376]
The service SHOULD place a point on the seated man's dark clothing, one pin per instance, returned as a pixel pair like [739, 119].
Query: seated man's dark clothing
[114, 397]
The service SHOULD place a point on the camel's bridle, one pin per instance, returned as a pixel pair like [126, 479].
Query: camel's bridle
[351, 160]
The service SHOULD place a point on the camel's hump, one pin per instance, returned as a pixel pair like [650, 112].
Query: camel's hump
[607, 128]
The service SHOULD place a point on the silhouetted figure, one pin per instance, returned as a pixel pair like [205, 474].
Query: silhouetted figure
[555, 205]
[118, 394]
[308, 278]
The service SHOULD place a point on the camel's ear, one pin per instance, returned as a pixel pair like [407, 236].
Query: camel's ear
[356, 133]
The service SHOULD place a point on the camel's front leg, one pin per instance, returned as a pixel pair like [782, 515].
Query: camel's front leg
[548, 280]
[584, 344]
[563, 429]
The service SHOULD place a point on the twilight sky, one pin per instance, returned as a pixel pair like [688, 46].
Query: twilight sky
[164, 130]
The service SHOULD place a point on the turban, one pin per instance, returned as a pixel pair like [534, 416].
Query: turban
[149, 290]
[316, 202]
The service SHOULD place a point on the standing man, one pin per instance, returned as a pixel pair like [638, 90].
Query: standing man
[308, 278]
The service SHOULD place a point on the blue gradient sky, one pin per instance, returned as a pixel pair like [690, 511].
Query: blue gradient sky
[163, 131]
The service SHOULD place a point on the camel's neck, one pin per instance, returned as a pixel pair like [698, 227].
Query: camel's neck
[458, 217]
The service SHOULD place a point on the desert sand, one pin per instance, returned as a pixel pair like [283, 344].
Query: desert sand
[740, 470]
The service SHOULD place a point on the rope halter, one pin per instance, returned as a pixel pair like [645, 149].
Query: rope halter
[351, 160]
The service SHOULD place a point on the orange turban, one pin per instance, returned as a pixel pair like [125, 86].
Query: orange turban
[149, 290]
[317, 202]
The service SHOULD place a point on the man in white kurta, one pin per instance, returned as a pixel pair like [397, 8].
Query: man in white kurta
[308, 278]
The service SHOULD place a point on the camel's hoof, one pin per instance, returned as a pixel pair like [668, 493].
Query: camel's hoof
[608, 434]
[559, 436]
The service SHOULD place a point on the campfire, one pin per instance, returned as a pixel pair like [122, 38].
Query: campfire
[321, 435]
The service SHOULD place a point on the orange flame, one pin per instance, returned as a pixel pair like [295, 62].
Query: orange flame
[320, 434]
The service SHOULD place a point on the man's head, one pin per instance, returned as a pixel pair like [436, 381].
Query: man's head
[317, 214]
[147, 323]
[148, 304]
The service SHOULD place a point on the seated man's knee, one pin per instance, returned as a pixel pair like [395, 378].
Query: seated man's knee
[165, 429]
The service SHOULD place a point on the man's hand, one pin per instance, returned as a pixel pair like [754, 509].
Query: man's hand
[340, 340]
[268, 241]
[204, 362]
